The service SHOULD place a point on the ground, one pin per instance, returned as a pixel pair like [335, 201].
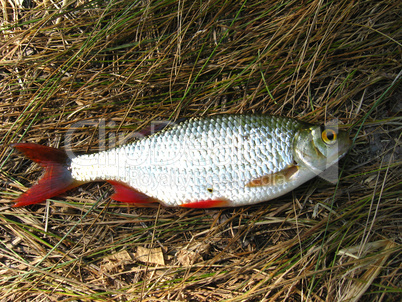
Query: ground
[90, 75]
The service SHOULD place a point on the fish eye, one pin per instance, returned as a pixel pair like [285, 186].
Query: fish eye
[329, 136]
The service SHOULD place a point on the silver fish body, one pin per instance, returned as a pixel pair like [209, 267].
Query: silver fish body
[224, 160]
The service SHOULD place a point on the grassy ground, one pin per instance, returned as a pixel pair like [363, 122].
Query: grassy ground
[97, 71]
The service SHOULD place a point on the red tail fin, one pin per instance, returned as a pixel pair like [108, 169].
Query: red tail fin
[57, 178]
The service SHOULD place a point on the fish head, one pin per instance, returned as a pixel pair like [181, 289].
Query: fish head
[319, 147]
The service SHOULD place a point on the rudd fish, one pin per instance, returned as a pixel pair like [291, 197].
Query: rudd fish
[219, 161]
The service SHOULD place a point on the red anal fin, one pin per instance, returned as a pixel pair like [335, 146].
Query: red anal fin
[274, 178]
[209, 203]
[56, 180]
[125, 193]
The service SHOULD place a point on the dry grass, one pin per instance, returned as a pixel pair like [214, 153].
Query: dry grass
[78, 67]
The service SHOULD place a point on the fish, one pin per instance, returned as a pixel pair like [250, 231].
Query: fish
[218, 161]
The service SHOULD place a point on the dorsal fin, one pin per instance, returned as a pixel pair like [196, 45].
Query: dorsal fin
[158, 126]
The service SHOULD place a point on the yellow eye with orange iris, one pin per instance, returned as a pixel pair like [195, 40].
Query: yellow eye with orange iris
[329, 136]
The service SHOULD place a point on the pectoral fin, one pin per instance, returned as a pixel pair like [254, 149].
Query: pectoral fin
[275, 178]
[210, 203]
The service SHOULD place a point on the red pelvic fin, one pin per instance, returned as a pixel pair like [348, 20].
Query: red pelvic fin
[210, 203]
[57, 178]
[125, 193]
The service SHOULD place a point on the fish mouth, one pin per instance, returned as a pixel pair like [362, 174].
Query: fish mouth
[346, 144]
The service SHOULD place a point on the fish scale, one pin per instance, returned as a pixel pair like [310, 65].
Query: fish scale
[224, 160]
[200, 159]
